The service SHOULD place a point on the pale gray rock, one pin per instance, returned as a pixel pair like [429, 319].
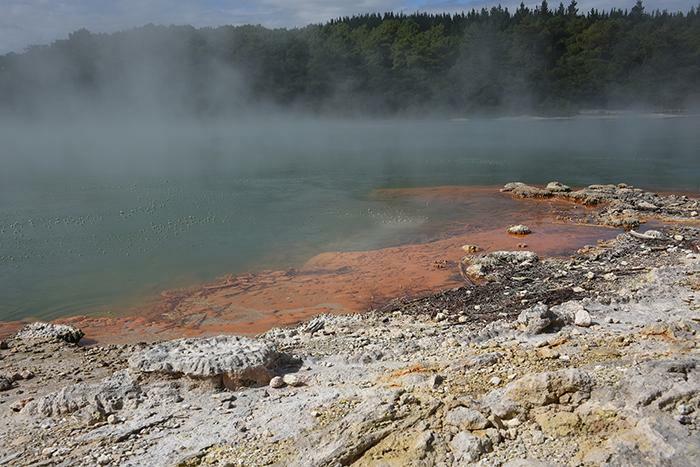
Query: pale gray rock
[647, 206]
[483, 360]
[582, 318]
[104, 398]
[277, 382]
[526, 463]
[558, 187]
[49, 331]
[535, 320]
[655, 234]
[467, 447]
[292, 380]
[230, 360]
[519, 229]
[466, 419]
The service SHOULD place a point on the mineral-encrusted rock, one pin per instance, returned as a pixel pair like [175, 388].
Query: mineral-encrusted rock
[484, 266]
[231, 361]
[558, 187]
[49, 331]
[514, 257]
[558, 424]
[101, 399]
[537, 390]
[519, 230]
[525, 191]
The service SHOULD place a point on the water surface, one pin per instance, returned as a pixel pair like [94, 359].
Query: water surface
[98, 215]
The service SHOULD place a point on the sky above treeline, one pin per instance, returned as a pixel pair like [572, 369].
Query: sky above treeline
[28, 22]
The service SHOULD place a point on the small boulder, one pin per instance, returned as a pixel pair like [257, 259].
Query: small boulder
[5, 383]
[48, 331]
[467, 447]
[466, 419]
[519, 229]
[292, 380]
[470, 248]
[535, 320]
[655, 234]
[582, 318]
[646, 206]
[277, 382]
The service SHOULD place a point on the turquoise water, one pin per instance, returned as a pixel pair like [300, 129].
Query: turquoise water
[98, 215]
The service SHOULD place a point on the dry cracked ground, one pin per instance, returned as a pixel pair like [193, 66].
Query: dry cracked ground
[590, 360]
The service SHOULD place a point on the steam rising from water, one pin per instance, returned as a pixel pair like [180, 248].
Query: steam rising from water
[98, 212]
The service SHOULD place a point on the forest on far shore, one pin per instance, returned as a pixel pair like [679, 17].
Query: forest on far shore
[548, 59]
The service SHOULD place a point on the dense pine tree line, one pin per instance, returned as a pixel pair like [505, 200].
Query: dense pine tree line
[544, 59]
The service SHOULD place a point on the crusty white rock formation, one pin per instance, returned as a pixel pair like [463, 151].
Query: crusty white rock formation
[229, 360]
[41, 330]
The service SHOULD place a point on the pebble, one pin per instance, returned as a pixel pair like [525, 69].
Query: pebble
[495, 381]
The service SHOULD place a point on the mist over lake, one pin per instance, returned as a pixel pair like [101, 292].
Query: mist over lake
[97, 215]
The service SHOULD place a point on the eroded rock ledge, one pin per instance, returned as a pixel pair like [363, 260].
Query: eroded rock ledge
[589, 360]
[621, 205]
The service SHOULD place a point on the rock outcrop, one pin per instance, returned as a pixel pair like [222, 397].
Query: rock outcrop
[230, 361]
[96, 400]
[40, 330]
[622, 205]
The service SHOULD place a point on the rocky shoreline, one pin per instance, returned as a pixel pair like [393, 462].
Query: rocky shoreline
[587, 360]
